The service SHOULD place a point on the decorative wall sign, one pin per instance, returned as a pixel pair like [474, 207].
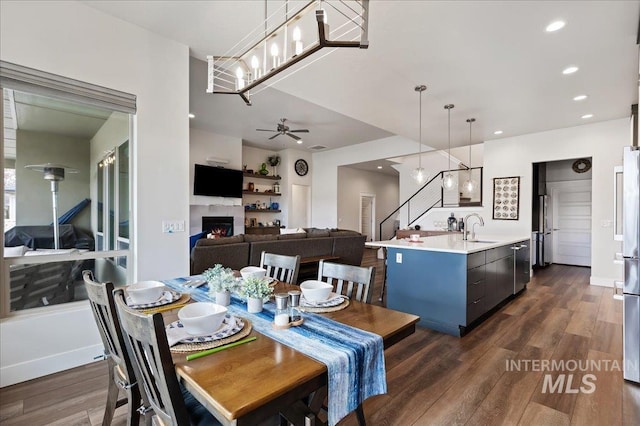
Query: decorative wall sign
[582, 165]
[506, 198]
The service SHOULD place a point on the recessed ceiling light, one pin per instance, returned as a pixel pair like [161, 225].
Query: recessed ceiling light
[587, 116]
[555, 26]
[580, 98]
[192, 115]
[570, 70]
[497, 132]
[300, 142]
[379, 167]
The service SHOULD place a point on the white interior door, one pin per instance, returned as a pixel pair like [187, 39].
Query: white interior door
[299, 214]
[368, 215]
[571, 206]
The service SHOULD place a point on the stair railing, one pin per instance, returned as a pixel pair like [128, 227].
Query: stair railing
[430, 195]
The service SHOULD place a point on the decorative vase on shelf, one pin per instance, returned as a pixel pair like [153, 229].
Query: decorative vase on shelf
[274, 161]
[263, 169]
[254, 305]
[223, 298]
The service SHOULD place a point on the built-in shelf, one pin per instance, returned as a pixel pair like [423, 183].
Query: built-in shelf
[257, 176]
[272, 194]
[262, 210]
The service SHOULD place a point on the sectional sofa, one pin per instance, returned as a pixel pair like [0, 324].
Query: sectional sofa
[241, 250]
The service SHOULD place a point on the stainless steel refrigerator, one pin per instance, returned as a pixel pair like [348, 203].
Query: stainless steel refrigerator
[631, 241]
[543, 236]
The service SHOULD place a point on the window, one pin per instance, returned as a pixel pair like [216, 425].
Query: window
[81, 140]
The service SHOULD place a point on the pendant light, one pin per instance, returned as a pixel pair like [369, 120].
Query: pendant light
[469, 185]
[448, 180]
[418, 173]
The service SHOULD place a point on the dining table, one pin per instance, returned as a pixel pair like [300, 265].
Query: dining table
[251, 382]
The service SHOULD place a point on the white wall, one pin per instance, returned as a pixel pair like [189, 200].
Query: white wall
[561, 171]
[33, 193]
[603, 142]
[204, 144]
[290, 177]
[353, 182]
[76, 41]
[324, 173]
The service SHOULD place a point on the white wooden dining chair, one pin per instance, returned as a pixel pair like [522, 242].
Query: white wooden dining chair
[146, 342]
[282, 268]
[121, 372]
[355, 282]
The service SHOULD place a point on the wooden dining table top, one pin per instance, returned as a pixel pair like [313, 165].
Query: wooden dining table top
[247, 383]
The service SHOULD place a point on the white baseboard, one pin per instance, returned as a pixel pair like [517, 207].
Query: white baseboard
[16, 373]
[602, 282]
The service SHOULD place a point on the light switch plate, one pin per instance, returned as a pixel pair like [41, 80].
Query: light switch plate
[171, 226]
[398, 257]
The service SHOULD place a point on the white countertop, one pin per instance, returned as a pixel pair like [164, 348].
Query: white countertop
[451, 243]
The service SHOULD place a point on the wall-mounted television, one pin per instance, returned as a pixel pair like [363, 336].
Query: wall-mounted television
[217, 182]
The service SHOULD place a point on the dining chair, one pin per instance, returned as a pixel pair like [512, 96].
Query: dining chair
[282, 268]
[121, 372]
[348, 279]
[146, 342]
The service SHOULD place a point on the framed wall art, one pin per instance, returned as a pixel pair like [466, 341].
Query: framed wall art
[506, 198]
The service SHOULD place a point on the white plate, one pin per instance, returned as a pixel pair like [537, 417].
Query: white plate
[230, 326]
[168, 296]
[334, 299]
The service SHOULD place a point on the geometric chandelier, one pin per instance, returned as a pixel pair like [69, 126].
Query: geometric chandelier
[268, 51]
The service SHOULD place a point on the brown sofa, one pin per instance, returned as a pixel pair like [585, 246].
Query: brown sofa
[241, 250]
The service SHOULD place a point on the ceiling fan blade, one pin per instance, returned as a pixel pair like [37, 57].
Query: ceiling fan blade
[274, 136]
[293, 136]
[300, 131]
[265, 130]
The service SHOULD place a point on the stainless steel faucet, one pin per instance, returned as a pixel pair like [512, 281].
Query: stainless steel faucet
[465, 233]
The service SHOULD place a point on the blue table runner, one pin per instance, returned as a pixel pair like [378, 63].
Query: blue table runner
[354, 357]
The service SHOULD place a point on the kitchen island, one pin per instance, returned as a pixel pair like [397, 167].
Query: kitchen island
[454, 284]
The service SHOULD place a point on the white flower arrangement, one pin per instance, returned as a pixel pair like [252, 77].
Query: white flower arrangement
[220, 279]
[255, 287]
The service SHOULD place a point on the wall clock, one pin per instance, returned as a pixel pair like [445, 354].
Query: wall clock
[302, 168]
[582, 165]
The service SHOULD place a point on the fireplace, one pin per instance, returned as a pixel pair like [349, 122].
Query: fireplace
[219, 226]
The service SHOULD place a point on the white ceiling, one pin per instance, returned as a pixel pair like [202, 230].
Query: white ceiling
[26, 111]
[492, 59]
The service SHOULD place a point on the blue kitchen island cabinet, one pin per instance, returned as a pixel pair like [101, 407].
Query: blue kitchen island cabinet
[452, 283]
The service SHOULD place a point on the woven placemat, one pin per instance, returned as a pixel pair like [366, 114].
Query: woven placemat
[184, 298]
[320, 310]
[190, 347]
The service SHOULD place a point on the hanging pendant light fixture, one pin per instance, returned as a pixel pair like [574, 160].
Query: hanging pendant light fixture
[470, 185]
[448, 180]
[418, 173]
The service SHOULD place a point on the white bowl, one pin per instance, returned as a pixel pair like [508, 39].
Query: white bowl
[145, 291]
[316, 291]
[414, 237]
[252, 271]
[202, 318]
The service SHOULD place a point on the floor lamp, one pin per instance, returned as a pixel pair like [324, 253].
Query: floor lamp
[54, 173]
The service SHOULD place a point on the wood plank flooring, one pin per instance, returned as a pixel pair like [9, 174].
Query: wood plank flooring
[436, 379]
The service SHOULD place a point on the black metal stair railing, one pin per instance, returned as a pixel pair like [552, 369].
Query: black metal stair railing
[429, 196]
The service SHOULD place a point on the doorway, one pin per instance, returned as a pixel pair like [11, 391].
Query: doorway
[571, 205]
[368, 215]
[299, 216]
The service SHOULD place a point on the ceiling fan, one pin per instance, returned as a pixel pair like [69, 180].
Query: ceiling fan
[283, 129]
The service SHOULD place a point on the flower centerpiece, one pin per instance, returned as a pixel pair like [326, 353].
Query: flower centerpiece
[221, 282]
[274, 161]
[255, 290]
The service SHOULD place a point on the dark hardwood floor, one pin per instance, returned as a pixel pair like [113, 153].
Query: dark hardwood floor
[436, 379]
